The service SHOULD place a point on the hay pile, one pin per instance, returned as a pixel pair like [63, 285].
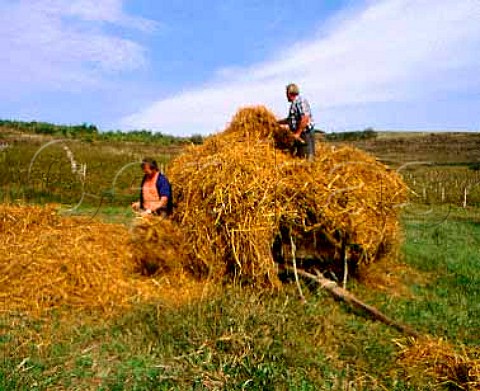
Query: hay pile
[157, 247]
[50, 262]
[438, 359]
[242, 203]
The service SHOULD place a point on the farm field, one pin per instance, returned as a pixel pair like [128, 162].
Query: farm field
[193, 335]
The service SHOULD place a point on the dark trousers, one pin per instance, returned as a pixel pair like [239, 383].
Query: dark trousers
[307, 149]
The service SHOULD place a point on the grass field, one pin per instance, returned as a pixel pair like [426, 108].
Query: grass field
[235, 337]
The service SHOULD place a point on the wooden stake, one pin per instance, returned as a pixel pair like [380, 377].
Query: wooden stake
[294, 251]
[343, 295]
[345, 268]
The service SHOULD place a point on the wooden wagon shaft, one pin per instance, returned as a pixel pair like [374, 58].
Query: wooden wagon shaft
[344, 295]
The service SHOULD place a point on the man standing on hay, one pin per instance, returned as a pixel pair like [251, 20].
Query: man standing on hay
[300, 123]
[155, 191]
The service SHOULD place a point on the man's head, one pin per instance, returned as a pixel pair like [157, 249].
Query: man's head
[292, 91]
[149, 166]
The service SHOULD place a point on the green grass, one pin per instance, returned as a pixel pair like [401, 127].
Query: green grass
[451, 299]
[447, 301]
[242, 339]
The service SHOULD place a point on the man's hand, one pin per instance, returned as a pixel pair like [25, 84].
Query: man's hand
[146, 213]
[304, 122]
[136, 206]
[298, 138]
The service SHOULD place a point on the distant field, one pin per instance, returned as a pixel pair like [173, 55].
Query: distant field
[439, 167]
[410, 134]
[440, 148]
[39, 169]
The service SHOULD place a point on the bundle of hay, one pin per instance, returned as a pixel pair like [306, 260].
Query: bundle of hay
[226, 207]
[244, 205]
[52, 262]
[254, 124]
[438, 359]
[157, 247]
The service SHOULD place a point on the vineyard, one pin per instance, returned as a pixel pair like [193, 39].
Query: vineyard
[444, 185]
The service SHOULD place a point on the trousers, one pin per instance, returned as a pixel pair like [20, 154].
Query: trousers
[307, 149]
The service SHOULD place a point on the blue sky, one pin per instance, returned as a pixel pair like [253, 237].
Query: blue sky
[182, 67]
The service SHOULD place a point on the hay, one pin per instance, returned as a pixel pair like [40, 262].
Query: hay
[50, 262]
[438, 359]
[157, 247]
[241, 201]
[255, 123]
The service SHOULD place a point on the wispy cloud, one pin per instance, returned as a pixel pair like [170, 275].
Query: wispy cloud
[110, 11]
[389, 51]
[57, 44]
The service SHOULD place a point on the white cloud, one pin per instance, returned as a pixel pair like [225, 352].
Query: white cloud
[58, 44]
[389, 51]
[110, 11]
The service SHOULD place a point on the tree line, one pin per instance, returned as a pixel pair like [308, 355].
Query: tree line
[90, 133]
[357, 135]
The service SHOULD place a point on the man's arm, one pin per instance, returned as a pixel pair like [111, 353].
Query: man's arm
[164, 191]
[283, 121]
[302, 125]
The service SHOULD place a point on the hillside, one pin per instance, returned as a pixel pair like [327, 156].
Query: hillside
[440, 148]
